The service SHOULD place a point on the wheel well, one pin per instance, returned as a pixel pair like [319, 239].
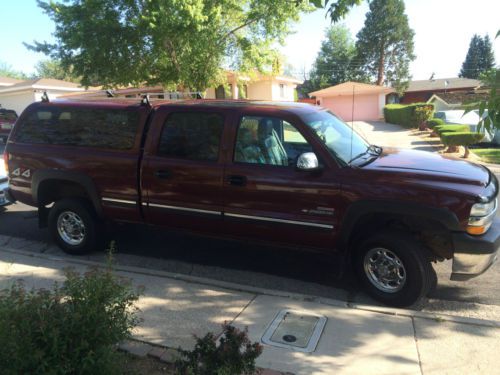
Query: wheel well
[431, 233]
[53, 190]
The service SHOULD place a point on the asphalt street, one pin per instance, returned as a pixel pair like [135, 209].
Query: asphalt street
[253, 264]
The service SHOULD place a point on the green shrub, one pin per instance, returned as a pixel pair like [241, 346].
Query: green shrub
[461, 138]
[235, 354]
[404, 115]
[448, 128]
[71, 329]
[431, 123]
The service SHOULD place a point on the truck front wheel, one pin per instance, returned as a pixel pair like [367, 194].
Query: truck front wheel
[72, 224]
[394, 268]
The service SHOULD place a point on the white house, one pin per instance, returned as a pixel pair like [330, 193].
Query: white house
[19, 95]
[261, 87]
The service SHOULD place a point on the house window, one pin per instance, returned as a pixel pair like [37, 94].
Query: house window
[282, 90]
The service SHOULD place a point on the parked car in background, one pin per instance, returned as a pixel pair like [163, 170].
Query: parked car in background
[287, 173]
[458, 116]
[4, 184]
[7, 119]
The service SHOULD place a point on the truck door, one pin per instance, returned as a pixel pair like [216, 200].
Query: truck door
[182, 171]
[266, 196]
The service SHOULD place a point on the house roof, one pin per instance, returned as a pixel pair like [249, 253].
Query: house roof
[347, 88]
[43, 84]
[440, 84]
[8, 81]
[460, 97]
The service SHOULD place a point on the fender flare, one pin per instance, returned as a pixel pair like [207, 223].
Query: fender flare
[81, 179]
[359, 209]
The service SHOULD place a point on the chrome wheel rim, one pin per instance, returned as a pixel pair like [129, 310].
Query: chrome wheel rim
[385, 270]
[71, 228]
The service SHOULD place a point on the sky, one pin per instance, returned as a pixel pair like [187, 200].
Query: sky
[443, 29]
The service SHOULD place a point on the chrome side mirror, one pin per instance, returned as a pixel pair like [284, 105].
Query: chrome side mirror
[307, 162]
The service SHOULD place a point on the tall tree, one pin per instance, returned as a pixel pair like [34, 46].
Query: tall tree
[334, 63]
[479, 58]
[170, 42]
[385, 44]
[54, 69]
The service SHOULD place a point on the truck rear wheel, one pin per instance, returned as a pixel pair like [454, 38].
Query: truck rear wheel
[73, 226]
[393, 268]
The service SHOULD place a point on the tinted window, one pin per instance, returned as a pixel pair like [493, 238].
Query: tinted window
[103, 128]
[268, 140]
[192, 135]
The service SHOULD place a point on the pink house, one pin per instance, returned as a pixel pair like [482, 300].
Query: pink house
[353, 100]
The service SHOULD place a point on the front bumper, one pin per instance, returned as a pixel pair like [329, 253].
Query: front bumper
[475, 254]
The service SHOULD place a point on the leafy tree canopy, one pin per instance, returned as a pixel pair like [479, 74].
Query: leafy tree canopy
[335, 62]
[479, 58]
[385, 44]
[175, 43]
[54, 69]
[337, 9]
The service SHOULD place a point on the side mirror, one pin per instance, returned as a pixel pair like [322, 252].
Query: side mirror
[307, 162]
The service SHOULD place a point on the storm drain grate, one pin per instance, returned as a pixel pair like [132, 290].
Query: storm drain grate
[297, 330]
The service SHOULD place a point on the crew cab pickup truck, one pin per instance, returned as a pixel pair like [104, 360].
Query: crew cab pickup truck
[287, 173]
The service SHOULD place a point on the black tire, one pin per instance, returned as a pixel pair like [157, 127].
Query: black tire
[83, 215]
[415, 277]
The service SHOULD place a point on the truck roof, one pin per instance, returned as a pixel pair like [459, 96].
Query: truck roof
[211, 103]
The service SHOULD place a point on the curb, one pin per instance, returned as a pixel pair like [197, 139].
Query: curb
[269, 292]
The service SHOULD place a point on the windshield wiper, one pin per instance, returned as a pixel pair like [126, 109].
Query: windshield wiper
[371, 149]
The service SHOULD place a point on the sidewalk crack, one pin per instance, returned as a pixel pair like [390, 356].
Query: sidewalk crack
[416, 345]
[241, 312]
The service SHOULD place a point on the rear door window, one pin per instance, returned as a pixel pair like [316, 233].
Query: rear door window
[100, 128]
[192, 136]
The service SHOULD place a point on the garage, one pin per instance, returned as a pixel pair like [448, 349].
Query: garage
[354, 100]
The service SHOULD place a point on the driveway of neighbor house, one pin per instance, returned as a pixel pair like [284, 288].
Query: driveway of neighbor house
[384, 134]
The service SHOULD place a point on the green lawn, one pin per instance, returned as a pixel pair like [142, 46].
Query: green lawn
[489, 155]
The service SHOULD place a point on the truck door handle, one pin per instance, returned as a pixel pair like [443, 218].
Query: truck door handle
[163, 174]
[237, 180]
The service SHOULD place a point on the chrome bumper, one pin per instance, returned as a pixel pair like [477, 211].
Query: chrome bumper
[475, 254]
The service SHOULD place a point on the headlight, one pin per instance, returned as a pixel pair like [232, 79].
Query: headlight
[483, 209]
[481, 217]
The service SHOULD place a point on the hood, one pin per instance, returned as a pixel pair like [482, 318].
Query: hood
[436, 166]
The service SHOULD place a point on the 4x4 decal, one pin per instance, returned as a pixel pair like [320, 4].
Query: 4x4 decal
[17, 172]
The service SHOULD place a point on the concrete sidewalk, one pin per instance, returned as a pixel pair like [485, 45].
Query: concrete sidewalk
[355, 340]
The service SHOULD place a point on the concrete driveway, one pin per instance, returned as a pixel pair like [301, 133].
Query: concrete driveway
[383, 134]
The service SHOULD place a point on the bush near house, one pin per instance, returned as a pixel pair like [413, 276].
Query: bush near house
[449, 128]
[405, 115]
[464, 139]
[431, 123]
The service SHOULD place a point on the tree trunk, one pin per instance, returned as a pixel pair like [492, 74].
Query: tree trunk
[381, 62]
[466, 153]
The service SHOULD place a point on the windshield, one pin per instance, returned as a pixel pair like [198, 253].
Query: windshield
[337, 135]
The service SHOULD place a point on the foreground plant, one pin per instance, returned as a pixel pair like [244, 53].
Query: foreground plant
[234, 354]
[71, 329]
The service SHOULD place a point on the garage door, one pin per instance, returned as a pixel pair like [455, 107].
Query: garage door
[366, 107]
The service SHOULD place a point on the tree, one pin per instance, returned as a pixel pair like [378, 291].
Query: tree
[338, 9]
[385, 44]
[8, 71]
[180, 44]
[479, 58]
[54, 69]
[334, 63]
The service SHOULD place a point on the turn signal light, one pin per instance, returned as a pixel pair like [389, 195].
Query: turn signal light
[477, 230]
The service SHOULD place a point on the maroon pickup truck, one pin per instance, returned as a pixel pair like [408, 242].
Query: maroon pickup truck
[292, 174]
